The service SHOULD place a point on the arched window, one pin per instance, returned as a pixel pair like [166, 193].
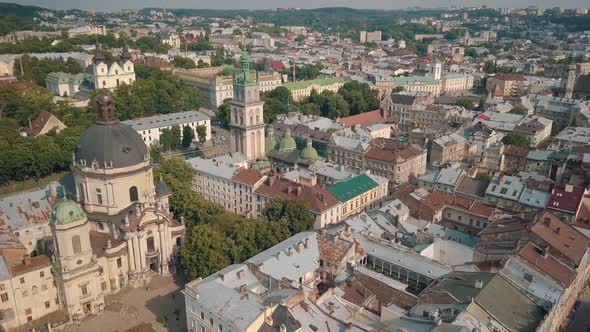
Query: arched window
[117, 82]
[76, 244]
[133, 196]
[104, 83]
[116, 72]
[151, 247]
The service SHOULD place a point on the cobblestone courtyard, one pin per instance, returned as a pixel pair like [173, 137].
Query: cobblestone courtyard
[131, 307]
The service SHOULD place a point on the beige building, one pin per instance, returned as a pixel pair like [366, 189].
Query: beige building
[456, 83]
[360, 193]
[302, 89]
[448, 149]
[395, 163]
[366, 36]
[268, 81]
[214, 89]
[419, 84]
[506, 84]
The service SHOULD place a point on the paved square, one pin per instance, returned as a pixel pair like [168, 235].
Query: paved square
[163, 302]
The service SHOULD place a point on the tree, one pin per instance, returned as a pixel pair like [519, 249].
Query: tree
[167, 139]
[202, 133]
[294, 213]
[490, 67]
[182, 62]
[519, 110]
[176, 172]
[188, 135]
[517, 139]
[223, 114]
[206, 251]
[471, 52]
[360, 97]
[466, 103]
[156, 153]
[330, 105]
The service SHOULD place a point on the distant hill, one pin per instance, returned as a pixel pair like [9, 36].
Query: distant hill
[15, 17]
[7, 8]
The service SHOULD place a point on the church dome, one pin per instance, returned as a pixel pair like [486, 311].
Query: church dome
[110, 143]
[309, 152]
[66, 212]
[288, 143]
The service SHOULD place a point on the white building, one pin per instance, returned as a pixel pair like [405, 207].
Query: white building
[110, 77]
[150, 128]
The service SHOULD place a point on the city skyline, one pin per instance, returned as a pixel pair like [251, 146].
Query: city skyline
[111, 5]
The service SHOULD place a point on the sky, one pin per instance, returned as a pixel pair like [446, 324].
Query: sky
[114, 5]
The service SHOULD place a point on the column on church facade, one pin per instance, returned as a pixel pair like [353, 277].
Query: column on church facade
[136, 252]
[141, 250]
[163, 258]
[130, 253]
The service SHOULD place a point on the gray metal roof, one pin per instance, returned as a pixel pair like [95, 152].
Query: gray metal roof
[165, 120]
[114, 145]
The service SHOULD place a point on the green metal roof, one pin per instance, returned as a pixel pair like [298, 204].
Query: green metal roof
[402, 80]
[348, 189]
[66, 212]
[319, 81]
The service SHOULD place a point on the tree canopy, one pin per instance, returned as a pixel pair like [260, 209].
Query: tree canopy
[360, 97]
[516, 139]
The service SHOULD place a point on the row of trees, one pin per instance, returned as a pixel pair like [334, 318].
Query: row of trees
[36, 70]
[216, 238]
[173, 139]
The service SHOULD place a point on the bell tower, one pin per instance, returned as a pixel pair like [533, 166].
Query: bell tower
[568, 82]
[247, 114]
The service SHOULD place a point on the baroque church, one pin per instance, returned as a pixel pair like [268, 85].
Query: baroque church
[119, 205]
[116, 232]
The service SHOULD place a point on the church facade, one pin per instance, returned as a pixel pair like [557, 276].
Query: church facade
[105, 76]
[117, 232]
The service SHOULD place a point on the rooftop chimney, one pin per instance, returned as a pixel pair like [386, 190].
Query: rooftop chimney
[290, 251]
[283, 328]
[53, 189]
[478, 284]
[26, 259]
[298, 191]
[244, 291]
[569, 188]
[300, 247]
[306, 243]
[241, 274]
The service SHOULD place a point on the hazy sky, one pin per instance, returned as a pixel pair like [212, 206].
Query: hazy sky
[111, 5]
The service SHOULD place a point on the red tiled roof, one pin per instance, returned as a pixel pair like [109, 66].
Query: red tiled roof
[34, 263]
[247, 176]
[547, 264]
[363, 119]
[315, 198]
[565, 198]
[516, 151]
[561, 237]
[439, 199]
[332, 248]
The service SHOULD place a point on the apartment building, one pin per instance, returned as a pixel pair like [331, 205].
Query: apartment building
[302, 89]
[394, 161]
[360, 193]
[150, 128]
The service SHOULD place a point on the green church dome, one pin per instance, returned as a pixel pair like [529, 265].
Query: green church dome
[309, 152]
[288, 143]
[66, 212]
